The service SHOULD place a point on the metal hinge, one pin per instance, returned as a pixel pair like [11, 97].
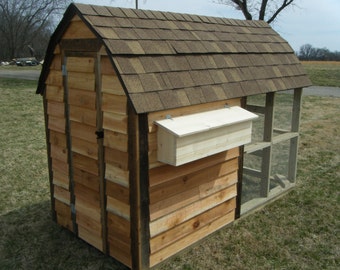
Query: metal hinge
[100, 134]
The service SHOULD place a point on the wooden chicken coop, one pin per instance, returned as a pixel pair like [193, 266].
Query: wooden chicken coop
[146, 122]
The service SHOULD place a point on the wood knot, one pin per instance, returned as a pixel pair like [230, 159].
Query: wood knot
[196, 224]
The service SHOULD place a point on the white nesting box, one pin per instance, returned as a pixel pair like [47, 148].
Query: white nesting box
[187, 138]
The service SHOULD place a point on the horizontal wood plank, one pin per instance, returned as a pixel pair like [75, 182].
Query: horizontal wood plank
[116, 158]
[92, 237]
[56, 124]
[55, 93]
[122, 255]
[114, 103]
[115, 122]
[84, 163]
[85, 148]
[61, 179]
[87, 179]
[83, 115]
[81, 98]
[78, 29]
[55, 78]
[118, 227]
[118, 208]
[190, 239]
[59, 153]
[112, 85]
[62, 194]
[80, 64]
[174, 219]
[82, 131]
[167, 238]
[57, 138]
[81, 80]
[117, 175]
[56, 109]
[116, 140]
[118, 192]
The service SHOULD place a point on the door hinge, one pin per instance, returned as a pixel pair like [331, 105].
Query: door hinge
[100, 134]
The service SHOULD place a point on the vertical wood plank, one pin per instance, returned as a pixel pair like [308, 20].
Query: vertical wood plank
[294, 142]
[267, 137]
[138, 183]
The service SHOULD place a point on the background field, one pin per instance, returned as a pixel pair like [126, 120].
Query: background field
[299, 231]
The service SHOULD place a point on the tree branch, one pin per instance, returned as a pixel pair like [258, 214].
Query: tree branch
[285, 4]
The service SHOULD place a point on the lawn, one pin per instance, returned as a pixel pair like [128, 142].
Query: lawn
[298, 231]
[323, 73]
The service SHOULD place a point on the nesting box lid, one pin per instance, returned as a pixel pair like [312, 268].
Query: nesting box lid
[199, 122]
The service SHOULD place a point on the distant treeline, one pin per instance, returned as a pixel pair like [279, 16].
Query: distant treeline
[309, 53]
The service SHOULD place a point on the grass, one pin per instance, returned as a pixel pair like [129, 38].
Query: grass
[323, 73]
[299, 231]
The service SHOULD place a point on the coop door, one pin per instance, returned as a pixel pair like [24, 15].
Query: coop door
[85, 141]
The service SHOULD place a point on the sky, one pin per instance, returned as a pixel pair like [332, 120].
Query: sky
[312, 22]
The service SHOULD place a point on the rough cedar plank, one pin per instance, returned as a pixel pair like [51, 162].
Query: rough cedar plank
[120, 254]
[60, 166]
[87, 179]
[90, 237]
[88, 223]
[116, 140]
[189, 110]
[54, 93]
[116, 158]
[56, 109]
[190, 239]
[190, 226]
[174, 219]
[57, 138]
[181, 184]
[83, 115]
[55, 78]
[112, 85]
[56, 124]
[82, 131]
[77, 29]
[88, 208]
[115, 122]
[61, 179]
[81, 191]
[85, 148]
[186, 197]
[166, 173]
[65, 222]
[114, 103]
[106, 66]
[62, 208]
[85, 163]
[81, 80]
[62, 194]
[118, 208]
[118, 225]
[80, 64]
[59, 153]
[81, 98]
[117, 175]
[56, 62]
[117, 192]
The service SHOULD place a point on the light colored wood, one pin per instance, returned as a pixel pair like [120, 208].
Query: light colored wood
[55, 78]
[61, 179]
[174, 219]
[117, 226]
[106, 66]
[180, 184]
[116, 140]
[171, 236]
[56, 109]
[56, 124]
[54, 93]
[115, 122]
[92, 237]
[85, 163]
[85, 148]
[253, 147]
[83, 115]
[284, 137]
[112, 85]
[60, 166]
[61, 194]
[165, 173]
[88, 222]
[117, 192]
[116, 158]
[77, 29]
[118, 208]
[57, 138]
[81, 80]
[87, 179]
[81, 98]
[56, 62]
[190, 239]
[114, 103]
[84, 206]
[87, 194]
[80, 64]
[117, 175]
[154, 116]
[82, 131]
[120, 254]
[59, 153]
[62, 208]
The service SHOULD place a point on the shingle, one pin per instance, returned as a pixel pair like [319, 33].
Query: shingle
[195, 95]
[218, 76]
[116, 12]
[128, 65]
[101, 21]
[130, 13]
[135, 47]
[156, 47]
[148, 34]
[201, 77]
[146, 102]
[101, 10]
[176, 63]
[118, 47]
[86, 9]
[107, 33]
[180, 47]
[154, 64]
[209, 94]
[150, 82]
[233, 90]
[133, 83]
[123, 34]
[124, 23]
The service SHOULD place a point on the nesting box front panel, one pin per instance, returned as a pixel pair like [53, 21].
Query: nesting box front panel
[190, 201]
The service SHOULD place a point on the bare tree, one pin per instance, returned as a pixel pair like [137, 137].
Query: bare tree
[23, 21]
[266, 10]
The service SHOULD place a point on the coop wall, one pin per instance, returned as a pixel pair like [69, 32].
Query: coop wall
[77, 185]
[191, 201]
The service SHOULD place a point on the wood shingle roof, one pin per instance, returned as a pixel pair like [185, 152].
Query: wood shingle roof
[169, 60]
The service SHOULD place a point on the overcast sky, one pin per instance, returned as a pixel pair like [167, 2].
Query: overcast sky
[310, 21]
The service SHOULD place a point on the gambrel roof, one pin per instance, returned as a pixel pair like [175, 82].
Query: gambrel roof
[168, 60]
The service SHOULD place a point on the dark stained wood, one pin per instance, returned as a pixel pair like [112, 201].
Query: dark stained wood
[81, 45]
